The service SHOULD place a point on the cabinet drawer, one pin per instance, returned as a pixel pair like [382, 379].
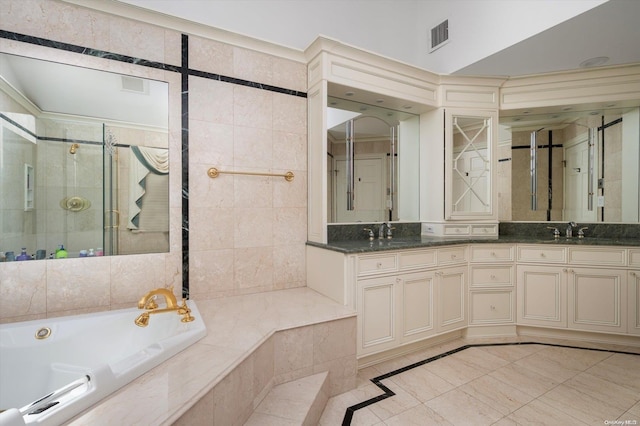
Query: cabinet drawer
[484, 230]
[376, 264]
[453, 255]
[490, 276]
[634, 257]
[417, 259]
[452, 230]
[542, 254]
[599, 256]
[492, 307]
[491, 253]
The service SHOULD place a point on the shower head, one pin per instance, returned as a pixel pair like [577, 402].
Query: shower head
[74, 148]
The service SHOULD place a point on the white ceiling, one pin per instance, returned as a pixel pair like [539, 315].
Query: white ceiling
[487, 37]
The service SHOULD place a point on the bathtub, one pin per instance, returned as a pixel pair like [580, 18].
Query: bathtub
[79, 360]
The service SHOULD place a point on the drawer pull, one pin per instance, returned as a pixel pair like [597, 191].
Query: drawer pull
[493, 308]
[633, 274]
[542, 255]
[453, 256]
[379, 265]
[493, 253]
[493, 277]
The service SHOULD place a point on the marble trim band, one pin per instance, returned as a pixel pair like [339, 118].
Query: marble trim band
[86, 50]
[388, 393]
[18, 125]
[247, 83]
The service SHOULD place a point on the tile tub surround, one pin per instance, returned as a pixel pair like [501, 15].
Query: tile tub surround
[253, 343]
[235, 103]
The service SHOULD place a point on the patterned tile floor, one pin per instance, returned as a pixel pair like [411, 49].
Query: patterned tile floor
[523, 384]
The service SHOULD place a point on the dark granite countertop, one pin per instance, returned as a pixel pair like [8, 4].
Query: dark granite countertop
[409, 242]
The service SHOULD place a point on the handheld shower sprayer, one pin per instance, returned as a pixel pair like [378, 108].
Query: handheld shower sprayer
[74, 148]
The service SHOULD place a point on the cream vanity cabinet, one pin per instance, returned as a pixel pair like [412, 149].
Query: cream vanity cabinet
[579, 288]
[633, 286]
[492, 296]
[405, 296]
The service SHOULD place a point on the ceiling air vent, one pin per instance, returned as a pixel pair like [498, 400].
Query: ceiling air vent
[134, 84]
[439, 36]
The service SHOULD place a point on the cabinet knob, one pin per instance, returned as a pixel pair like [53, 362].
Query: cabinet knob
[542, 255]
[493, 277]
[493, 308]
[493, 253]
[379, 265]
[633, 274]
[398, 280]
[453, 256]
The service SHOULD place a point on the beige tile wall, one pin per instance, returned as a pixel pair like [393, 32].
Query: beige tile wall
[247, 234]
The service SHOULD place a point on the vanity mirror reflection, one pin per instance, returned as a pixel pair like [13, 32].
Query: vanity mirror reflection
[83, 160]
[571, 162]
[373, 162]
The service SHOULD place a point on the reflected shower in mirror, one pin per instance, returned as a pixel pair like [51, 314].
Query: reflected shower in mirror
[373, 163]
[84, 161]
[577, 165]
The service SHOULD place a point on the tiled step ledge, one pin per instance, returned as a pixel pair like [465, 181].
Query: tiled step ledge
[296, 403]
[253, 343]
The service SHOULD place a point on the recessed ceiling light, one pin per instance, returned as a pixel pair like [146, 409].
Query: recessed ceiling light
[567, 108]
[379, 101]
[610, 105]
[594, 113]
[333, 103]
[349, 93]
[526, 112]
[594, 62]
[363, 108]
[407, 107]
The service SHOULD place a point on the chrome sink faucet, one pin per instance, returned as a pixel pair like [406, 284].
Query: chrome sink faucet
[570, 227]
[381, 230]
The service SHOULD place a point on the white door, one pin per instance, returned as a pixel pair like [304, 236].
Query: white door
[369, 191]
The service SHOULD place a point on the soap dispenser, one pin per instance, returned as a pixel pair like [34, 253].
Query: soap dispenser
[23, 255]
[61, 253]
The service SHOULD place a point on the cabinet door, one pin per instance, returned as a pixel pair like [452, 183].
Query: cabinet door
[542, 296]
[452, 298]
[377, 306]
[417, 305]
[470, 140]
[597, 299]
[633, 327]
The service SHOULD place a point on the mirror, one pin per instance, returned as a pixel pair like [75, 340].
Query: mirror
[470, 160]
[570, 163]
[83, 161]
[373, 158]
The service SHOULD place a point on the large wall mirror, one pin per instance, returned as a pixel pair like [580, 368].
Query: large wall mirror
[571, 163]
[84, 161]
[373, 162]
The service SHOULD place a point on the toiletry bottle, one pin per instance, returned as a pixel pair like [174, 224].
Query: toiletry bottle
[99, 251]
[61, 253]
[91, 253]
[23, 255]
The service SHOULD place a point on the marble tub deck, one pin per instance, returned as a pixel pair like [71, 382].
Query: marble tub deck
[238, 328]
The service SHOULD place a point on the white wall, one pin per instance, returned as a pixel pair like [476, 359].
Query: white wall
[393, 28]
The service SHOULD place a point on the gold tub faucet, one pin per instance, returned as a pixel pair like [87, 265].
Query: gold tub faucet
[148, 302]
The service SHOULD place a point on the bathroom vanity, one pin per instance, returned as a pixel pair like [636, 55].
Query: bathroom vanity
[409, 291]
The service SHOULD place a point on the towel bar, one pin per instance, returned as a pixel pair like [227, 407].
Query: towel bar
[214, 173]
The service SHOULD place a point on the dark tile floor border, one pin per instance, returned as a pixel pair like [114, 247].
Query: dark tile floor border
[388, 393]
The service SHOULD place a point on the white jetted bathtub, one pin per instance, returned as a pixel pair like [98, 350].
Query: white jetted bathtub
[52, 369]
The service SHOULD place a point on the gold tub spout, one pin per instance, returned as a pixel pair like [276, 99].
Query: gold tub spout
[148, 303]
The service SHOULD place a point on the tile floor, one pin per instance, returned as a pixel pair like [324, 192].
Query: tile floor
[522, 384]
